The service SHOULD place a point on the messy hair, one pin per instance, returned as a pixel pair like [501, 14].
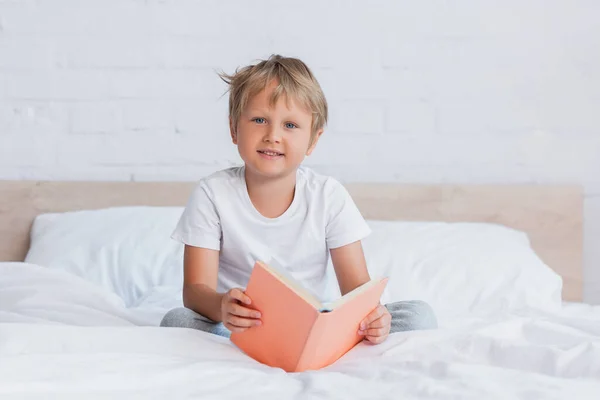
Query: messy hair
[295, 81]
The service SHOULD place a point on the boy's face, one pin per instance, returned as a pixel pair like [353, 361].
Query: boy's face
[273, 141]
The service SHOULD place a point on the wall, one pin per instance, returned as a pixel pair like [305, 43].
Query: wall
[421, 91]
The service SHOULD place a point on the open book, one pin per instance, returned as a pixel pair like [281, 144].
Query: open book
[297, 331]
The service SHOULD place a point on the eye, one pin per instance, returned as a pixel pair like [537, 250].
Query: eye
[259, 120]
[290, 125]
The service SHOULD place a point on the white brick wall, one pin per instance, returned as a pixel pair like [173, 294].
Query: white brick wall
[422, 91]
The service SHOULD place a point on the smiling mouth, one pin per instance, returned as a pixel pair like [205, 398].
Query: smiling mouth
[270, 153]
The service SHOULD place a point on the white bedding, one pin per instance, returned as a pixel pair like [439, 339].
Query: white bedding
[63, 337]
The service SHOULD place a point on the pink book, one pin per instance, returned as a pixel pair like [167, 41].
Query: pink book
[298, 332]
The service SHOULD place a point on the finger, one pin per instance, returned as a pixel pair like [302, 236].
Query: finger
[382, 322]
[378, 323]
[376, 339]
[234, 328]
[243, 322]
[238, 294]
[375, 332]
[241, 311]
[373, 315]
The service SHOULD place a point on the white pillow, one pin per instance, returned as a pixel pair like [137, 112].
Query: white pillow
[460, 268]
[456, 267]
[127, 250]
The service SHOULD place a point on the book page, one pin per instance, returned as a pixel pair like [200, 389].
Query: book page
[293, 284]
[330, 306]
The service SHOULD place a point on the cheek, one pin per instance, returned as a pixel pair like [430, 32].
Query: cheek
[302, 141]
[245, 145]
[247, 136]
[298, 147]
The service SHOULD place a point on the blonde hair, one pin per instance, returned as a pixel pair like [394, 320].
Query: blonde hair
[295, 80]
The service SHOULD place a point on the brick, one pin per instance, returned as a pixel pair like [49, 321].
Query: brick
[486, 116]
[405, 85]
[576, 113]
[450, 152]
[64, 173]
[65, 17]
[56, 85]
[356, 50]
[343, 149]
[207, 18]
[111, 52]
[423, 173]
[188, 173]
[196, 117]
[33, 118]
[416, 117]
[347, 83]
[144, 115]
[198, 53]
[3, 86]
[162, 84]
[27, 150]
[141, 149]
[7, 118]
[410, 52]
[457, 56]
[560, 158]
[26, 53]
[433, 19]
[467, 68]
[175, 117]
[459, 20]
[351, 172]
[155, 117]
[11, 173]
[357, 117]
[95, 118]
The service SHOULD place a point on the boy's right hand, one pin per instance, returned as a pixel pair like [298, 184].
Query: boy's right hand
[234, 315]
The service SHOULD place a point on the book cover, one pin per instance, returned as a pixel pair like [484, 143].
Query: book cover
[299, 333]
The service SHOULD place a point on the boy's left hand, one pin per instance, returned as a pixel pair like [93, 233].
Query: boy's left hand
[376, 326]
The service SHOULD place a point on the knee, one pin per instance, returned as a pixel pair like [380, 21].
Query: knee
[174, 317]
[424, 316]
[411, 315]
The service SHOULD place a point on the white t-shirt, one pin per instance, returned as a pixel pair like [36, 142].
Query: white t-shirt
[220, 215]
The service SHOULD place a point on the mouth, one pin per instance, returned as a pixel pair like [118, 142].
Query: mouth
[270, 153]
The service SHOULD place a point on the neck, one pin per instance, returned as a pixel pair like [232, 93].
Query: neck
[270, 196]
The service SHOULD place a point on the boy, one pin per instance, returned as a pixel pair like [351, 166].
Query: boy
[275, 210]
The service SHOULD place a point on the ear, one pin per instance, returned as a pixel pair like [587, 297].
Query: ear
[232, 131]
[314, 141]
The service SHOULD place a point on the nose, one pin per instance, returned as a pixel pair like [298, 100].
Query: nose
[272, 135]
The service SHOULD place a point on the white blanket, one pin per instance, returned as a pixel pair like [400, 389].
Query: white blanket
[61, 337]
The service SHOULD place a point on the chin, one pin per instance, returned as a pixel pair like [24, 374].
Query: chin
[269, 171]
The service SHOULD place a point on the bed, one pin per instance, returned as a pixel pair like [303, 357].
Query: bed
[501, 265]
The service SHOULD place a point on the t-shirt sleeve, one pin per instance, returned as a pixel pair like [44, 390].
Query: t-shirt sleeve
[345, 222]
[199, 224]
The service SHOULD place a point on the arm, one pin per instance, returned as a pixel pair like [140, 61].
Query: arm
[200, 270]
[350, 266]
[351, 270]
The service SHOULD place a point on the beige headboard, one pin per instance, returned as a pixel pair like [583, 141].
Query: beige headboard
[552, 216]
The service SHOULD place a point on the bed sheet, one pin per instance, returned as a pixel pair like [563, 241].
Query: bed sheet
[62, 337]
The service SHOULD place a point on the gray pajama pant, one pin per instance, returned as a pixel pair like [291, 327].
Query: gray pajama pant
[406, 316]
